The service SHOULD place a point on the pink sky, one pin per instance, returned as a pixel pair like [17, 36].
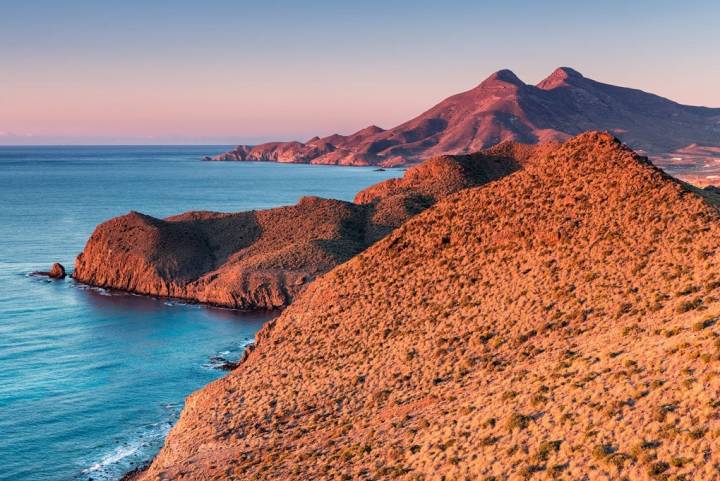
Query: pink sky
[234, 72]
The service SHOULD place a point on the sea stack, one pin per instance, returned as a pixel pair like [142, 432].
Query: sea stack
[57, 271]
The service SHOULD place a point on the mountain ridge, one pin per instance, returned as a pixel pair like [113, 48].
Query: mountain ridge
[504, 108]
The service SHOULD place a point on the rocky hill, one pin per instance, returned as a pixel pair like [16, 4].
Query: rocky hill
[258, 259]
[559, 323]
[503, 108]
[263, 259]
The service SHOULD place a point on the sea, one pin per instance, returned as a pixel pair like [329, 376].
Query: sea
[92, 380]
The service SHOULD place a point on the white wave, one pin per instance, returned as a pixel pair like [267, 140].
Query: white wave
[139, 449]
[113, 458]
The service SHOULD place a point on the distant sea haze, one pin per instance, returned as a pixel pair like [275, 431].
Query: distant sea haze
[93, 380]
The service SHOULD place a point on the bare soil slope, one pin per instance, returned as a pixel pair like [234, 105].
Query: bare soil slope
[559, 323]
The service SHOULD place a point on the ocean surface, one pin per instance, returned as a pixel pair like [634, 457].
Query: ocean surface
[91, 381]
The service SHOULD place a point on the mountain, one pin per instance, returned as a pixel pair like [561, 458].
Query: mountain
[504, 108]
[264, 259]
[557, 323]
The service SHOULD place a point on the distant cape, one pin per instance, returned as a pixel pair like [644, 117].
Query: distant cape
[504, 108]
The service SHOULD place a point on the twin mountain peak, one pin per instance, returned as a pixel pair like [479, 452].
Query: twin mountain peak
[504, 108]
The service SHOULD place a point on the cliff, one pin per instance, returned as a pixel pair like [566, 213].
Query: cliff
[257, 259]
[557, 323]
[263, 259]
[504, 108]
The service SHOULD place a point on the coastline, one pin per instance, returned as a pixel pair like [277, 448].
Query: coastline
[135, 473]
[264, 259]
[433, 179]
[189, 301]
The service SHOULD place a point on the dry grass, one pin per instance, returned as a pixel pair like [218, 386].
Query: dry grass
[437, 319]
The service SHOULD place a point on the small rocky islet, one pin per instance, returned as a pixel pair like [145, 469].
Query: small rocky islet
[57, 271]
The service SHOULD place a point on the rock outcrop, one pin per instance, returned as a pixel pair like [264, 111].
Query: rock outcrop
[263, 259]
[557, 323]
[57, 271]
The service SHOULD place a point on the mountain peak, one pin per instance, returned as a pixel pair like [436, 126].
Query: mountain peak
[502, 107]
[503, 76]
[566, 72]
[561, 76]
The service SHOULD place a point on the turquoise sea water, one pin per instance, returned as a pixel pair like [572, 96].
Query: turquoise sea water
[91, 381]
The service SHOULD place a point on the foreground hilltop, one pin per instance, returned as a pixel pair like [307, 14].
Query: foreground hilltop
[559, 323]
[263, 259]
[504, 108]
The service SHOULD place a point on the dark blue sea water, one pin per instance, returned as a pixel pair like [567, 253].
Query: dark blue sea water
[91, 381]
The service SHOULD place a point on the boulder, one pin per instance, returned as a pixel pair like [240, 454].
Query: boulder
[57, 271]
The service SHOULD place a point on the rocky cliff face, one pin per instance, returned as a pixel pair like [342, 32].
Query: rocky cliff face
[504, 108]
[557, 323]
[263, 259]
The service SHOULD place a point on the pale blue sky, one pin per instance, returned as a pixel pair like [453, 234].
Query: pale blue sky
[231, 71]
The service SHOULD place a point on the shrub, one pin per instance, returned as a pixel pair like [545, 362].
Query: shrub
[546, 448]
[602, 451]
[700, 325]
[518, 421]
[686, 306]
[657, 468]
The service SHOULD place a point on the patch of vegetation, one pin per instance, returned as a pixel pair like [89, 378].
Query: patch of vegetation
[704, 324]
[518, 421]
[603, 451]
[546, 449]
[656, 469]
[686, 306]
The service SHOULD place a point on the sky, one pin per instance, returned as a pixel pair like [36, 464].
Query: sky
[229, 72]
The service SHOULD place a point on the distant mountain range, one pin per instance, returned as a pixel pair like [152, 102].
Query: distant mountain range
[504, 108]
